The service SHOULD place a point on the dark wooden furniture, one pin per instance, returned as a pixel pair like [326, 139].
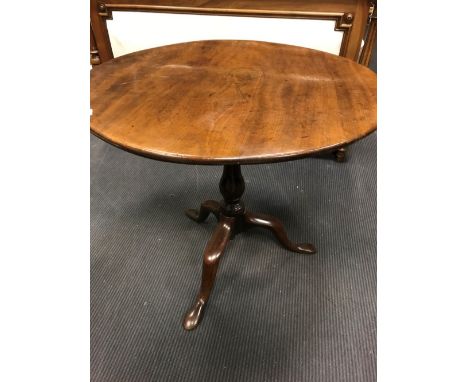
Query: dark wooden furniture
[370, 38]
[352, 17]
[231, 103]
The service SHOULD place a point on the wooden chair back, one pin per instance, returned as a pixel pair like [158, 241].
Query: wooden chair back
[352, 17]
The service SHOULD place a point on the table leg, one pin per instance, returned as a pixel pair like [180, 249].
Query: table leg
[213, 251]
[205, 208]
[232, 219]
[274, 225]
[340, 154]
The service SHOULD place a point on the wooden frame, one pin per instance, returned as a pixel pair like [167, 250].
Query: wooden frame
[370, 38]
[350, 16]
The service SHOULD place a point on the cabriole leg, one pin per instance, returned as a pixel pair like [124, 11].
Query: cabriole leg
[213, 251]
[205, 208]
[274, 225]
[232, 219]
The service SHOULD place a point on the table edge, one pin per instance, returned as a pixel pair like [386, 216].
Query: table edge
[235, 160]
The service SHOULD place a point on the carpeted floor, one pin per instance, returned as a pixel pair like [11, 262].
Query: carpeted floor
[273, 315]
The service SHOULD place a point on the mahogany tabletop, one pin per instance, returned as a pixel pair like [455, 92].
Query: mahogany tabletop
[227, 101]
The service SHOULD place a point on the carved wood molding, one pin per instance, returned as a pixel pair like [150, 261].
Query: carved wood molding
[343, 20]
[370, 36]
[95, 59]
[346, 21]
[104, 12]
[344, 24]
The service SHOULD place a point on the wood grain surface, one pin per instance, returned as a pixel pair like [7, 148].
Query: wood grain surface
[224, 102]
[291, 5]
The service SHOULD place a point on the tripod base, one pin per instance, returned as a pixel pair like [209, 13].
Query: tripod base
[232, 220]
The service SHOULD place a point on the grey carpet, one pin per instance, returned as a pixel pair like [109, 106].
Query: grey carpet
[273, 315]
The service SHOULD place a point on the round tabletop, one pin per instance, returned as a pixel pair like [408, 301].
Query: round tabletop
[227, 102]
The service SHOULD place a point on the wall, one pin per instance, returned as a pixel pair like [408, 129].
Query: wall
[131, 31]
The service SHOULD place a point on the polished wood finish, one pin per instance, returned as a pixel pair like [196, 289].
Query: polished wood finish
[370, 37]
[207, 207]
[274, 225]
[226, 102]
[94, 53]
[232, 219]
[340, 154]
[100, 33]
[231, 102]
[350, 17]
[213, 251]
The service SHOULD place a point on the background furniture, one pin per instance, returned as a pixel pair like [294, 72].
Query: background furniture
[354, 18]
